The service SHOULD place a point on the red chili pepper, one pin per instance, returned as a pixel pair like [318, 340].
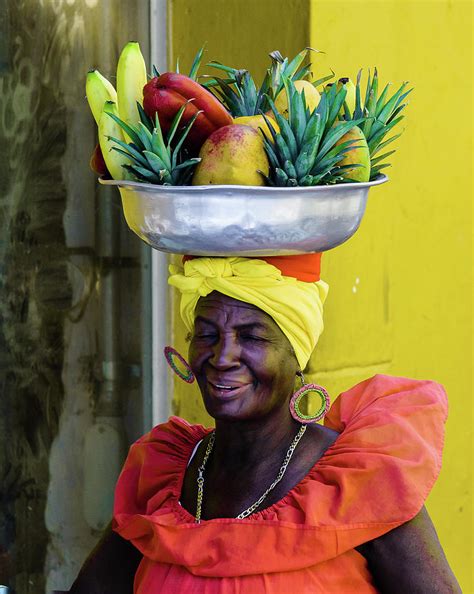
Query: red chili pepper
[167, 93]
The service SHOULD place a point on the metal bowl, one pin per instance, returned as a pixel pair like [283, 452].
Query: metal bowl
[243, 220]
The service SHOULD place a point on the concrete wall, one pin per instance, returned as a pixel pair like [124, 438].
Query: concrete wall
[400, 296]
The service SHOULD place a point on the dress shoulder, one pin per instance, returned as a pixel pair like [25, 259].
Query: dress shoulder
[153, 468]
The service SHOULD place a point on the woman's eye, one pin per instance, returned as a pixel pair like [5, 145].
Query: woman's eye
[252, 337]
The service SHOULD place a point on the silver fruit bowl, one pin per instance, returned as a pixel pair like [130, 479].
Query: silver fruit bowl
[243, 220]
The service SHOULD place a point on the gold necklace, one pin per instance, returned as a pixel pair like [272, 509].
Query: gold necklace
[254, 506]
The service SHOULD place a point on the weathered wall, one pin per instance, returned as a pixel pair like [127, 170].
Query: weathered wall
[50, 280]
[400, 290]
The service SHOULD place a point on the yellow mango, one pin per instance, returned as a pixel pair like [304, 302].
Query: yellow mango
[358, 154]
[257, 122]
[310, 92]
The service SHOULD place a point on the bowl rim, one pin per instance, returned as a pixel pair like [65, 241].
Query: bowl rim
[380, 179]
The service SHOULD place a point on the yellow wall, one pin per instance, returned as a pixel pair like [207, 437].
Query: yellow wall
[400, 298]
[410, 312]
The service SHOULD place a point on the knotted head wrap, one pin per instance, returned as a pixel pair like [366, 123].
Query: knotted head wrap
[295, 305]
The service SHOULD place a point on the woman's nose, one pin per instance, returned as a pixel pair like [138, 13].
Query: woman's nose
[226, 352]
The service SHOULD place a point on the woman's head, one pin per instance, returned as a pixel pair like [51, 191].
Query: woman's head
[296, 306]
[244, 364]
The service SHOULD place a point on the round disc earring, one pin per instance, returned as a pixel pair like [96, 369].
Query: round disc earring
[179, 364]
[305, 389]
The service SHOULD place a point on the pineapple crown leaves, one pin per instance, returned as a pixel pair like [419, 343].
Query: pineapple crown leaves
[239, 93]
[194, 67]
[304, 152]
[154, 159]
[380, 114]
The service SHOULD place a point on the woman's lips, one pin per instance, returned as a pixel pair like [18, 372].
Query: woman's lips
[227, 390]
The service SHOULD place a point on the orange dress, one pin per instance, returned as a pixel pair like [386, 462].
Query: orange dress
[375, 477]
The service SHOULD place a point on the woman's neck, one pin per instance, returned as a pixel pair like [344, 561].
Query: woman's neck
[245, 444]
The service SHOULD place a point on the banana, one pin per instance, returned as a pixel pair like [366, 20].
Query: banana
[108, 127]
[98, 91]
[131, 78]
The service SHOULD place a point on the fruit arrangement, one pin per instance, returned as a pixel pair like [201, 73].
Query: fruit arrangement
[292, 130]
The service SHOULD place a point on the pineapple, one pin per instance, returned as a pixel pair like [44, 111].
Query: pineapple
[151, 158]
[239, 92]
[379, 115]
[306, 151]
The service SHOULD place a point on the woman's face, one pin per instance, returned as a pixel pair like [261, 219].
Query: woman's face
[243, 362]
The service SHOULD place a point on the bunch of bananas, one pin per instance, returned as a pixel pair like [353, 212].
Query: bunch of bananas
[105, 100]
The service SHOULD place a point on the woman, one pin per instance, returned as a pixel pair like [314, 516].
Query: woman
[269, 502]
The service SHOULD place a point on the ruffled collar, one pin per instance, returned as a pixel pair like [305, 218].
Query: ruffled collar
[375, 477]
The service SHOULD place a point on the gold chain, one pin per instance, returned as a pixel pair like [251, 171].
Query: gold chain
[254, 506]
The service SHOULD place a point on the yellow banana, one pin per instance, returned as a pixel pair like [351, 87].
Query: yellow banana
[98, 91]
[108, 127]
[131, 78]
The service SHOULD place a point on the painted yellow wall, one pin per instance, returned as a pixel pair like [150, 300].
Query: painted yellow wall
[400, 299]
[401, 289]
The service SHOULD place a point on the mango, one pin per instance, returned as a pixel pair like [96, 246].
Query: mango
[310, 92]
[257, 122]
[358, 154]
[232, 155]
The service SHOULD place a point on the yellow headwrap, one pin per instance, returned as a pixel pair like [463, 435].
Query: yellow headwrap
[296, 306]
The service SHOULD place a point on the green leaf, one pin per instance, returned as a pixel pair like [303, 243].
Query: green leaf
[367, 91]
[175, 123]
[302, 165]
[189, 163]
[196, 63]
[219, 66]
[155, 71]
[158, 144]
[129, 150]
[381, 158]
[313, 132]
[131, 131]
[280, 177]
[307, 180]
[272, 157]
[283, 148]
[335, 103]
[334, 134]
[183, 137]
[390, 105]
[376, 138]
[289, 169]
[381, 100]
[358, 113]
[155, 162]
[148, 122]
[385, 143]
[320, 81]
[147, 174]
[145, 136]
[298, 120]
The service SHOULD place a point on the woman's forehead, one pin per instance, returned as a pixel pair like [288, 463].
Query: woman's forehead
[215, 305]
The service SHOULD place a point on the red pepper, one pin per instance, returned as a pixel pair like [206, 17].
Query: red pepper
[97, 163]
[167, 93]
